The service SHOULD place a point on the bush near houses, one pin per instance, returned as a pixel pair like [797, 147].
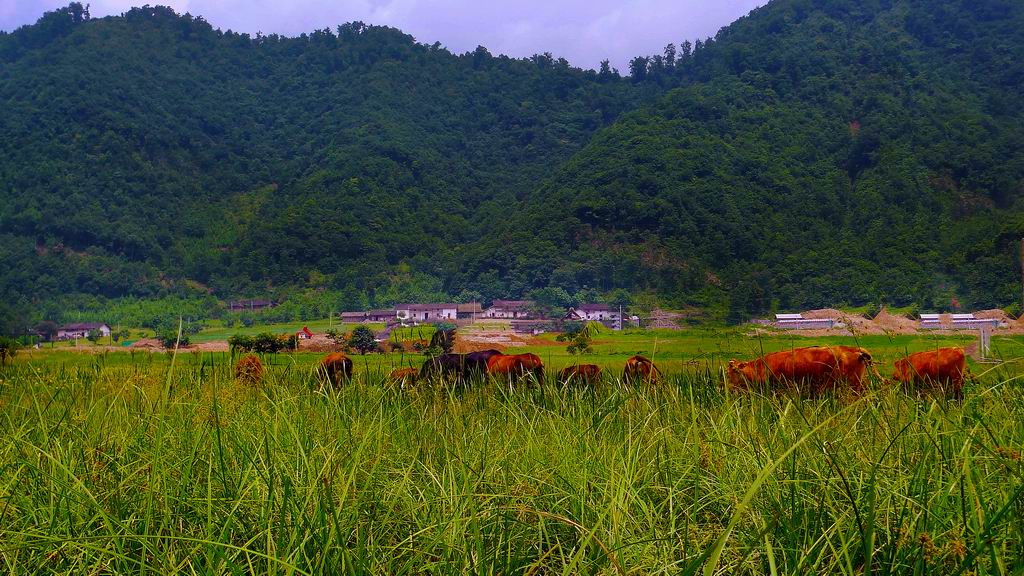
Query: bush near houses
[263, 343]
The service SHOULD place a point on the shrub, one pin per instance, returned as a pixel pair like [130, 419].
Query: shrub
[240, 342]
[8, 348]
[267, 343]
[578, 334]
[363, 340]
[443, 339]
[169, 338]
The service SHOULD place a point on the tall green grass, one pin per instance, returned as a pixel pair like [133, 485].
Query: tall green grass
[154, 469]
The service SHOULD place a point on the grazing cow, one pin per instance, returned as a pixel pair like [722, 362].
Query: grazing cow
[582, 373]
[516, 365]
[444, 364]
[853, 364]
[476, 362]
[249, 370]
[819, 368]
[944, 366]
[402, 377]
[337, 367]
[640, 369]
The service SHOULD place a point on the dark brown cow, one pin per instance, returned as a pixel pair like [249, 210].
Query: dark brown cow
[476, 362]
[819, 368]
[582, 373]
[249, 370]
[453, 365]
[337, 367]
[516, 365]
[942, 367]
[640, 369]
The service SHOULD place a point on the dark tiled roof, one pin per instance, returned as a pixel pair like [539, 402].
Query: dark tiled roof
[512, 304]
[420, 307]
[82, 326]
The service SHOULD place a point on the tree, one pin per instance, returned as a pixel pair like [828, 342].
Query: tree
[362, 340]
[169, 339]
[550, 299]
[47, 330]
[620, 297]
[638, 68]
[94, 336]
[579, 335]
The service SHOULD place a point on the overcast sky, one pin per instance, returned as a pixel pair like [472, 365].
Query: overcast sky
[582, 31]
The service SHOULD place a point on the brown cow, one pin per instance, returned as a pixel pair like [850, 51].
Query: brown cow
[853, 365]
[249, 370]
[337, 367]
[516, 365]
[943, 367]
[640, 369]
[819, 368]
[582, 373]
[403, 377]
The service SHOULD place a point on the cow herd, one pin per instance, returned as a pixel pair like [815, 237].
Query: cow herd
[816, 369]
[827, 368]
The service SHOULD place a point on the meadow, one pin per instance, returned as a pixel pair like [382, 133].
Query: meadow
[161, 463]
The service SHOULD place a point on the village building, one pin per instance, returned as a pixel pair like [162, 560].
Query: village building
[956, 322]
[469, 311]
[81, 330]
[249, 305]
[510, 309]
[426, 312]
[798, 322]
[603, 313]
[368, 316]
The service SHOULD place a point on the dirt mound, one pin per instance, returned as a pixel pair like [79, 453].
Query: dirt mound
[893, 323]
[318, 343]
[995, 314]
[463, 346]
[147, 343]
[212, 346]
[822, 313]
[847, 323]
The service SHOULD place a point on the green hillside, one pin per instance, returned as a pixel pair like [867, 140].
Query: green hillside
[813, 153]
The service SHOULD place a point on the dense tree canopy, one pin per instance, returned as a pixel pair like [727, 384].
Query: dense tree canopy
[816, 152]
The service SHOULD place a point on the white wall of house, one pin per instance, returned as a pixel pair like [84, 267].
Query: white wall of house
[72, 334]
[417, 314]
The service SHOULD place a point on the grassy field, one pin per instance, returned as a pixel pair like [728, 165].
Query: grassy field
[155, 463]
[674, 351]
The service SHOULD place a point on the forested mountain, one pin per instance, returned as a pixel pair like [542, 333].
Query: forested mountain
[813, 153]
